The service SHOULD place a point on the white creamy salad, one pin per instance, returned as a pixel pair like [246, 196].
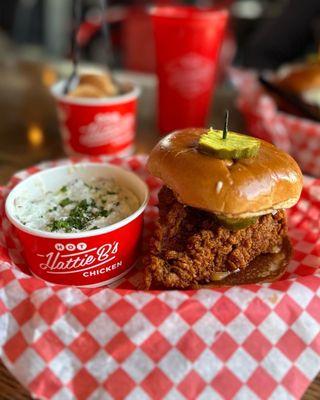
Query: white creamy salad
[77, 207]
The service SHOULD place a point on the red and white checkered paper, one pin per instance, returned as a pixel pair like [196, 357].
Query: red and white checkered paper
[249, 342]
[298, 136]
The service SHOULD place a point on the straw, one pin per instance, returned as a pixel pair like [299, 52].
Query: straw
[75, 50]
[105, 30]
[106, 36]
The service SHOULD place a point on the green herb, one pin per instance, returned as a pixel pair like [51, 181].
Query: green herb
[108, 192]
[65, 202]
[80, 215]
[94, 227]
[63, 189]
[104, 213]
[78, 218]
[93, 204]
[57, 225]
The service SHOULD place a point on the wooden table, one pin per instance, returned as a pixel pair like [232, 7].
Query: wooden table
[29, 134]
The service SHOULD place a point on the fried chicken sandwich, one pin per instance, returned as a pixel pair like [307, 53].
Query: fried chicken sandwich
[222, 218]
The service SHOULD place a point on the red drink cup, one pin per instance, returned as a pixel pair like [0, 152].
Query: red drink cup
[188, 40]
[102, 126]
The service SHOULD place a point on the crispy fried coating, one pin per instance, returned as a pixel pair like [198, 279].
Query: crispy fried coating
[189, 247]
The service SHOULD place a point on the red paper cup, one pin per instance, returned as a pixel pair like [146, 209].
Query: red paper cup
[188, 40]
[104, 126]
[88, 259]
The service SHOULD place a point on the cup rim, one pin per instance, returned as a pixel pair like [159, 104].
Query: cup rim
[173, 12]
[56, 89]
[9, 207]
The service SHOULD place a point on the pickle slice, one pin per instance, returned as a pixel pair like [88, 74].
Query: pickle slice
[235, 146]
[234, 224]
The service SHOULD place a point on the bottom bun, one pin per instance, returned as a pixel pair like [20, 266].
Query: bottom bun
[264, 268]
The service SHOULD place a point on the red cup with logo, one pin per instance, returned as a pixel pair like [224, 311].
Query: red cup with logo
[97, 126]
[188, 41]
[90, 258]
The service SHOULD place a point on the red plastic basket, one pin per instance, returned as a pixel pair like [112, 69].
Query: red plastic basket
[298, 136]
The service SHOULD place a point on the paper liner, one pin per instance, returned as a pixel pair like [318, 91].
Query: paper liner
[248, 342]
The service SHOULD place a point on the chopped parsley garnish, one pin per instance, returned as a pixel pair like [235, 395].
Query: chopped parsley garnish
[57, 225]
[104, 213]
[79, 217]
[63, 189]
[108, 192]
[65, 202]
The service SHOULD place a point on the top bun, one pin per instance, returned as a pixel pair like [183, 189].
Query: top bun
[301, 78]
[239, 188]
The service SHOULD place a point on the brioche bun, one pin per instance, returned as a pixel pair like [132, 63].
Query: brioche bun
[241, 188]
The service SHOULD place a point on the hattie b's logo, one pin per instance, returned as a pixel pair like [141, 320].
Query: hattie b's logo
[110, 128]
[56, 262]
[191, 75]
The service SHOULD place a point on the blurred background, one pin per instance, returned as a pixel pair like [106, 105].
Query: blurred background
[35, 51]
[36, 29]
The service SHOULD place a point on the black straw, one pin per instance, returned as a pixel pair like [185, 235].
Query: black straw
[105, 29]
[75, 50]
[226, 123]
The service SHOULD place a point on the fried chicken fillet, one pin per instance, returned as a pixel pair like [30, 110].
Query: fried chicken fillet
[189, 247]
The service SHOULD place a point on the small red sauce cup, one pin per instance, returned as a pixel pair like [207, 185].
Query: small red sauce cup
[88, 259]
[97, 126]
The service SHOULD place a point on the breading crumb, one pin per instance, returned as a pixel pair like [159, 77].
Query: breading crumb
[189, 246]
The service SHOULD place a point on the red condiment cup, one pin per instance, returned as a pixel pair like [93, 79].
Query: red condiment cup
[187, 43]
[97, 126]
[93, 258]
